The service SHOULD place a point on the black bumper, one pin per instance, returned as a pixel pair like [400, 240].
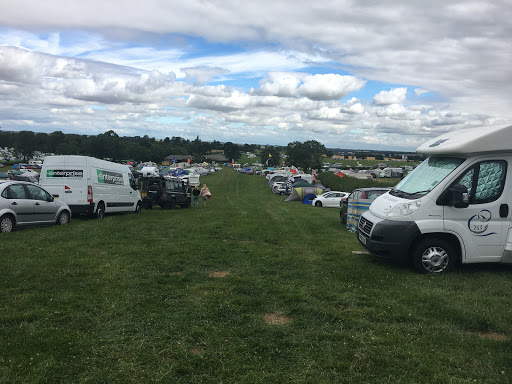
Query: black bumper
[82, 209]
[390, 239]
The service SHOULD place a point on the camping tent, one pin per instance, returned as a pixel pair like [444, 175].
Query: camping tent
[308, 199]
[301, 183]
[298, 194]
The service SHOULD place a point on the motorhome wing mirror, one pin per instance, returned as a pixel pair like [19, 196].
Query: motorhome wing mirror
[460, 196]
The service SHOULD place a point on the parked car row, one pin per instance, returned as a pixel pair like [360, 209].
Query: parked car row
[80, 185]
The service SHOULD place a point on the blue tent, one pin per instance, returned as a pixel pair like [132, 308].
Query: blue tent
[15, 166]
[308, 199]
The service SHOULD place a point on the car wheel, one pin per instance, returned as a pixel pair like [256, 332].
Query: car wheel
[138, 208]
[6, 224]
[100, 212]
[63, 218]
[434, 255]
[318, 204]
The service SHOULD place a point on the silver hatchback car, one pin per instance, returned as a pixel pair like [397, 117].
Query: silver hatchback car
[23, 203]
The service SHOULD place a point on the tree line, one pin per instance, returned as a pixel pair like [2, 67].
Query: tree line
[109, 145]
[112, 146]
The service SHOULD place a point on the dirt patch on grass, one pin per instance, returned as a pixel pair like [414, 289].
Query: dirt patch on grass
[196, 351]
[219, 274]
[247, 242]
[275, 319]
[360, 253]
[175, 273]
[493, 336]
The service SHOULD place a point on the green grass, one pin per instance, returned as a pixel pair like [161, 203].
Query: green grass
[129, 299]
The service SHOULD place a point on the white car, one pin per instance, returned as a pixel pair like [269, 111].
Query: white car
[330, 199]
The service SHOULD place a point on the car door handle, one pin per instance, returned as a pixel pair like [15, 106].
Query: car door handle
[37, 203]
[14, 203]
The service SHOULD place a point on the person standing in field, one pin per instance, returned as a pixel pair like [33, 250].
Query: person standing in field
[196, 193]
[205, 194]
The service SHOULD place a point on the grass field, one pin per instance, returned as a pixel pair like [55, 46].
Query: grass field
[250, 289]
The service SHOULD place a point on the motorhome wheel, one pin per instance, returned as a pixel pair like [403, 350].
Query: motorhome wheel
[318, 204]
[434, 255]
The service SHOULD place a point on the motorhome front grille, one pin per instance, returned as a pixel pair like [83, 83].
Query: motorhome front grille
[365, 226]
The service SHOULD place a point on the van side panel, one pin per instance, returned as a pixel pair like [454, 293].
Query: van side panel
[66, 178]
[69, 177]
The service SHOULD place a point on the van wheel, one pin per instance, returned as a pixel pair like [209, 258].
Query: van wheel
[318, 204]
[63, 218]
[6, 224]
[434, 255]
[138, 208]
[100, 212]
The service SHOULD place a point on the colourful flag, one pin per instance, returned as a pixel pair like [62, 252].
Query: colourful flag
[313, 172]
[188, 160]
[269, 155]
[293, 170]
[340, 174]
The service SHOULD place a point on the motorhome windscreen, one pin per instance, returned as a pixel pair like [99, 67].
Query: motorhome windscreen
[426, 176]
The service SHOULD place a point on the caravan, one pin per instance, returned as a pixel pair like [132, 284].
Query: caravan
[91, 186]
[453, 208]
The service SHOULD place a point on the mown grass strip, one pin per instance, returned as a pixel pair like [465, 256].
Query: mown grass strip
[132, 299]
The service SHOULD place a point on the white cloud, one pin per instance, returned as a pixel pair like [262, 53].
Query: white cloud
[329, 87]
[395, 96]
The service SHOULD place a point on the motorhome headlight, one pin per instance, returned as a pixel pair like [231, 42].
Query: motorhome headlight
[404, 209]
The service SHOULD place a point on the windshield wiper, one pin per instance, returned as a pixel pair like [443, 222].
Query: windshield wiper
[399, 193]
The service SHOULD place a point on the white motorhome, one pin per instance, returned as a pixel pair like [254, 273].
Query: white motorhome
[453, 208]
[91, 186]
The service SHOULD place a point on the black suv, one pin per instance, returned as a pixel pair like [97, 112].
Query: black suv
[164, 192]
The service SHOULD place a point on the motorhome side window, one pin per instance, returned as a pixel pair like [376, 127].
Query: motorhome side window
[484, 181]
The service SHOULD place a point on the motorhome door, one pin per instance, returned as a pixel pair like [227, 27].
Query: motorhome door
[484, 224]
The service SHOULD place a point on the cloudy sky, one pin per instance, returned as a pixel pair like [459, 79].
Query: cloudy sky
[359, 74]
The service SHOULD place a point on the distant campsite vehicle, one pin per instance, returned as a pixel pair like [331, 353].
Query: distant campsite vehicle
[392, 172]
[330, 199]
[151, 171]
[91, 186]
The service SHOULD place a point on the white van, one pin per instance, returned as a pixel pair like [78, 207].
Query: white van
[91, 186]
[453, 208]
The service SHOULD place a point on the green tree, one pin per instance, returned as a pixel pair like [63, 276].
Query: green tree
[271, 157]
[307, 155]
[232, 151]
[25, 144]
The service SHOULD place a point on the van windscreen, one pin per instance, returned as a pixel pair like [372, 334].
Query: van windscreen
[426, 176]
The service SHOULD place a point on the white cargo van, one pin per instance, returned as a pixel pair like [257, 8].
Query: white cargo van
[91, 186]
[453, 208]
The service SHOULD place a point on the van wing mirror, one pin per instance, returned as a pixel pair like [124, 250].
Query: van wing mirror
[460, 196]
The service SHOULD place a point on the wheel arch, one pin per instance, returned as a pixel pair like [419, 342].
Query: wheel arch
[10, 214]
[452, 238]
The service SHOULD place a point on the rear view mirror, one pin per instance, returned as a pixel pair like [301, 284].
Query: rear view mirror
[460, 196]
